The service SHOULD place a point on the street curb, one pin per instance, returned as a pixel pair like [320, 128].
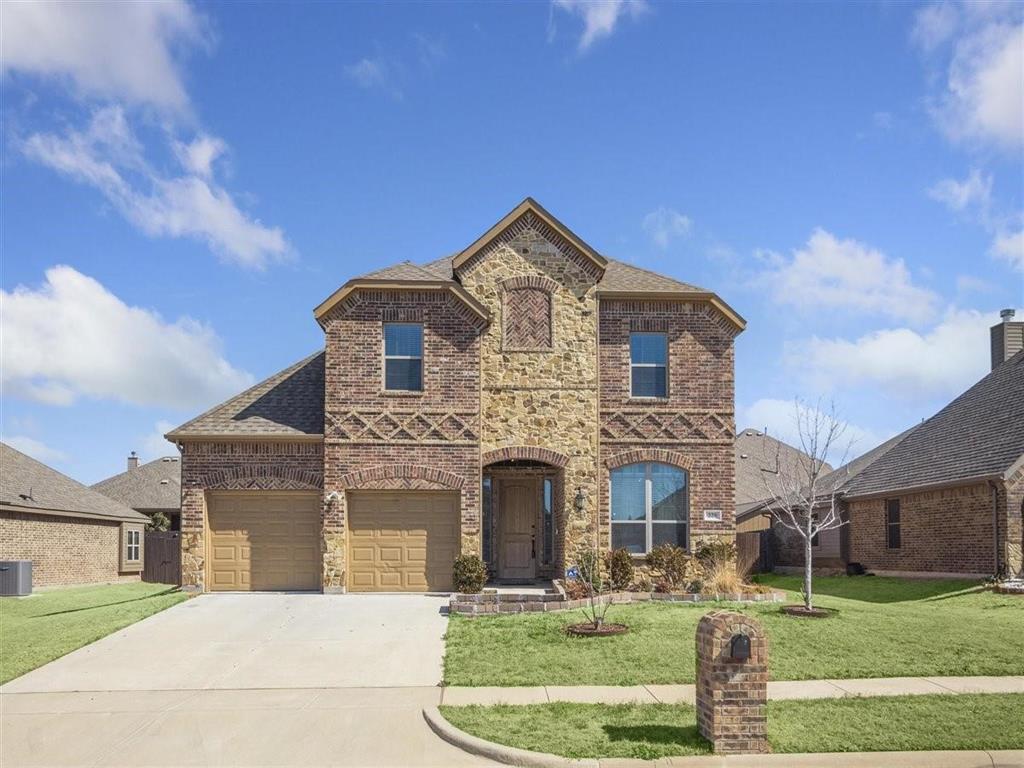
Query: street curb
[527, 759]
[498, 752]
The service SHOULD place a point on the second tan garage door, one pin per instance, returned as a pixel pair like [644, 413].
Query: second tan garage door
[263, 541]
[402, 541]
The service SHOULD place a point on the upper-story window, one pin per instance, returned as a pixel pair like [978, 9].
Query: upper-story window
[648, 364]
[403, 357]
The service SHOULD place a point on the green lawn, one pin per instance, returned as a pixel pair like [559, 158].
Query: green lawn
[38, 629]
[884, 628]
[648, 731]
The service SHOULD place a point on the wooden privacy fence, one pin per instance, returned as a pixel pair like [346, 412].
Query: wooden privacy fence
[162, 563]
[748, 551]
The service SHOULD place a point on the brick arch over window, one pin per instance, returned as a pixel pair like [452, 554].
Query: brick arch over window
[660, 455]
[539, 282]
[264, 478]
[401, 476]
[527, 452]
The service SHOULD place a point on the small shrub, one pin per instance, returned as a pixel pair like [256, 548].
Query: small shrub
[719, 551]
[668, 563]
[721, 578]
[662, 587]
[620, 569]
[158, 521]
[469, 574]
[643, 584]
[576, 589]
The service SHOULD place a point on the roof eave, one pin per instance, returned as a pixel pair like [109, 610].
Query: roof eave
[922, 487]
[528, 205]
[400, 285]
[707, 296]
[209, 437]
[8, 507]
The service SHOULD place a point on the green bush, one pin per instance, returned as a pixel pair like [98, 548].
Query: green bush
[673, 568]
[714, 553]
[158, 521]
[620, 569]
[469, 574]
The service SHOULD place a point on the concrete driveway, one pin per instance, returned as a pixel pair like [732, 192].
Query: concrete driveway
[239, 680]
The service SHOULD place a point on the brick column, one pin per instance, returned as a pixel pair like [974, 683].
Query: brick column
[731, 694]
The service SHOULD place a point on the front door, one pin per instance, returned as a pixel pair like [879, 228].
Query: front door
[518, 509]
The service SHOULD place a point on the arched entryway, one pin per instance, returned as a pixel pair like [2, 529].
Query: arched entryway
[523, 513]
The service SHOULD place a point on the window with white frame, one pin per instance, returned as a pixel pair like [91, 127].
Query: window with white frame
[133, 553]
[649, 506]
[648, 364]
[403, 357]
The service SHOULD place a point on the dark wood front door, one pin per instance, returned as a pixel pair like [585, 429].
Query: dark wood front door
[518, 509]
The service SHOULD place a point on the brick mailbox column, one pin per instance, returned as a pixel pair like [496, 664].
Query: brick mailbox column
[731, 693]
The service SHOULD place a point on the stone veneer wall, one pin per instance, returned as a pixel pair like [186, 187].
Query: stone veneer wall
[386, 440]
[64, 550]
[694, 427]
[942, 531]
[238, 465]
[546, 396]
[1013, 538]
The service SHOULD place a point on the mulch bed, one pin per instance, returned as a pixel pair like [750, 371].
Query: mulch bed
[801, 612]
[588, 630]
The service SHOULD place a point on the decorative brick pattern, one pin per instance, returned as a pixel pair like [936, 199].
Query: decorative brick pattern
[373, 476]
[393, 426]
[662, 425]
[637, 455]
[527, 453]
[527, 317]
[732, 695]
[64, 550]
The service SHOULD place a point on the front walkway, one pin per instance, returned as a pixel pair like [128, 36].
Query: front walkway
[686, 694]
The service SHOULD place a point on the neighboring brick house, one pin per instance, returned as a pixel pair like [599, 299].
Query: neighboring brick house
[72, 534]
[148, 488]
[522, 399]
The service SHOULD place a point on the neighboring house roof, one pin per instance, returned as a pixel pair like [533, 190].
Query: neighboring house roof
[27, 485]
[841, 478]
[757, 454]
[288, 404]
[153, 485]
[980, 435]
[618, 279]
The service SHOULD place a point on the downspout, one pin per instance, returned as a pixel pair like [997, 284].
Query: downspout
[995, 526]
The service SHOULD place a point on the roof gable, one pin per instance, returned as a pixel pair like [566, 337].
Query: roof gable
[530, 213]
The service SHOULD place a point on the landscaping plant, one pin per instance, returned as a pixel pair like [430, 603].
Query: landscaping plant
[590, 575]
[469, 574]
[158, 521]
[620, 569]
[674, 569]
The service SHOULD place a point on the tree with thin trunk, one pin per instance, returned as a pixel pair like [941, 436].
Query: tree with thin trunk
[798, 499]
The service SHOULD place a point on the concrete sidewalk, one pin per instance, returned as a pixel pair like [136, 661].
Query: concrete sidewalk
[686, 694]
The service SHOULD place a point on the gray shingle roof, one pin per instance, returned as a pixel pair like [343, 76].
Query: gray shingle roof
[288, 404]
[842, 477]
[31, 485]
[978, 435]
[404, 271]
[153, 485]
[757, 453]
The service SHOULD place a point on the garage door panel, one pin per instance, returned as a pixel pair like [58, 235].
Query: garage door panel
[262, 541]
[402, 541]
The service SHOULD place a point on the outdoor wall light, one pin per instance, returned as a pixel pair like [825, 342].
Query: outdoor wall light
[580, 501]
[332, 496]
[739, 648]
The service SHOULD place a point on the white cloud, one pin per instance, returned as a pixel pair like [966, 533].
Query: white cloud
[934, 25]
[780, 417]
[665, 225]
[973, 192]
[199, 155]
[600, 17]
[368, 73]
[155, 445]
[107, 156]
[107, 49]
[942, 361]
[73, 338]
[1010, 248]
[35, 448]
[833, 274]
[971, 284]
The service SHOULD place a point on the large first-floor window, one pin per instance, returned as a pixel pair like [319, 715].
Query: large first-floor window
[650, 506]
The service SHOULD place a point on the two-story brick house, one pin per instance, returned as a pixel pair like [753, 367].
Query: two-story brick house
[522, 399]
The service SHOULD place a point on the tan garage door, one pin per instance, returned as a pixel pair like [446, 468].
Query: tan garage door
[402, 541]
[263, 541]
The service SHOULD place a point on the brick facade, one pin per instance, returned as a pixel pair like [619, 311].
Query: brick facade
[693, 427]
[64, 550]
[942, 531]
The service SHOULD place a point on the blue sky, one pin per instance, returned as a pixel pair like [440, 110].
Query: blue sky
[183, 183]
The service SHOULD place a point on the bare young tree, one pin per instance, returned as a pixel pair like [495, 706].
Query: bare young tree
[798, 499]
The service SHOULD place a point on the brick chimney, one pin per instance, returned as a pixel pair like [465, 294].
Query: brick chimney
[1007, 338]
[133, 461]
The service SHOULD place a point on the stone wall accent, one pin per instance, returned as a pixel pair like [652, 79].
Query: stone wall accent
[236, 465]
[544, 398]
[64, 550]
[732, 695]
[942, 531]
[527, 453]
[694, 427]
[1012, 538]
